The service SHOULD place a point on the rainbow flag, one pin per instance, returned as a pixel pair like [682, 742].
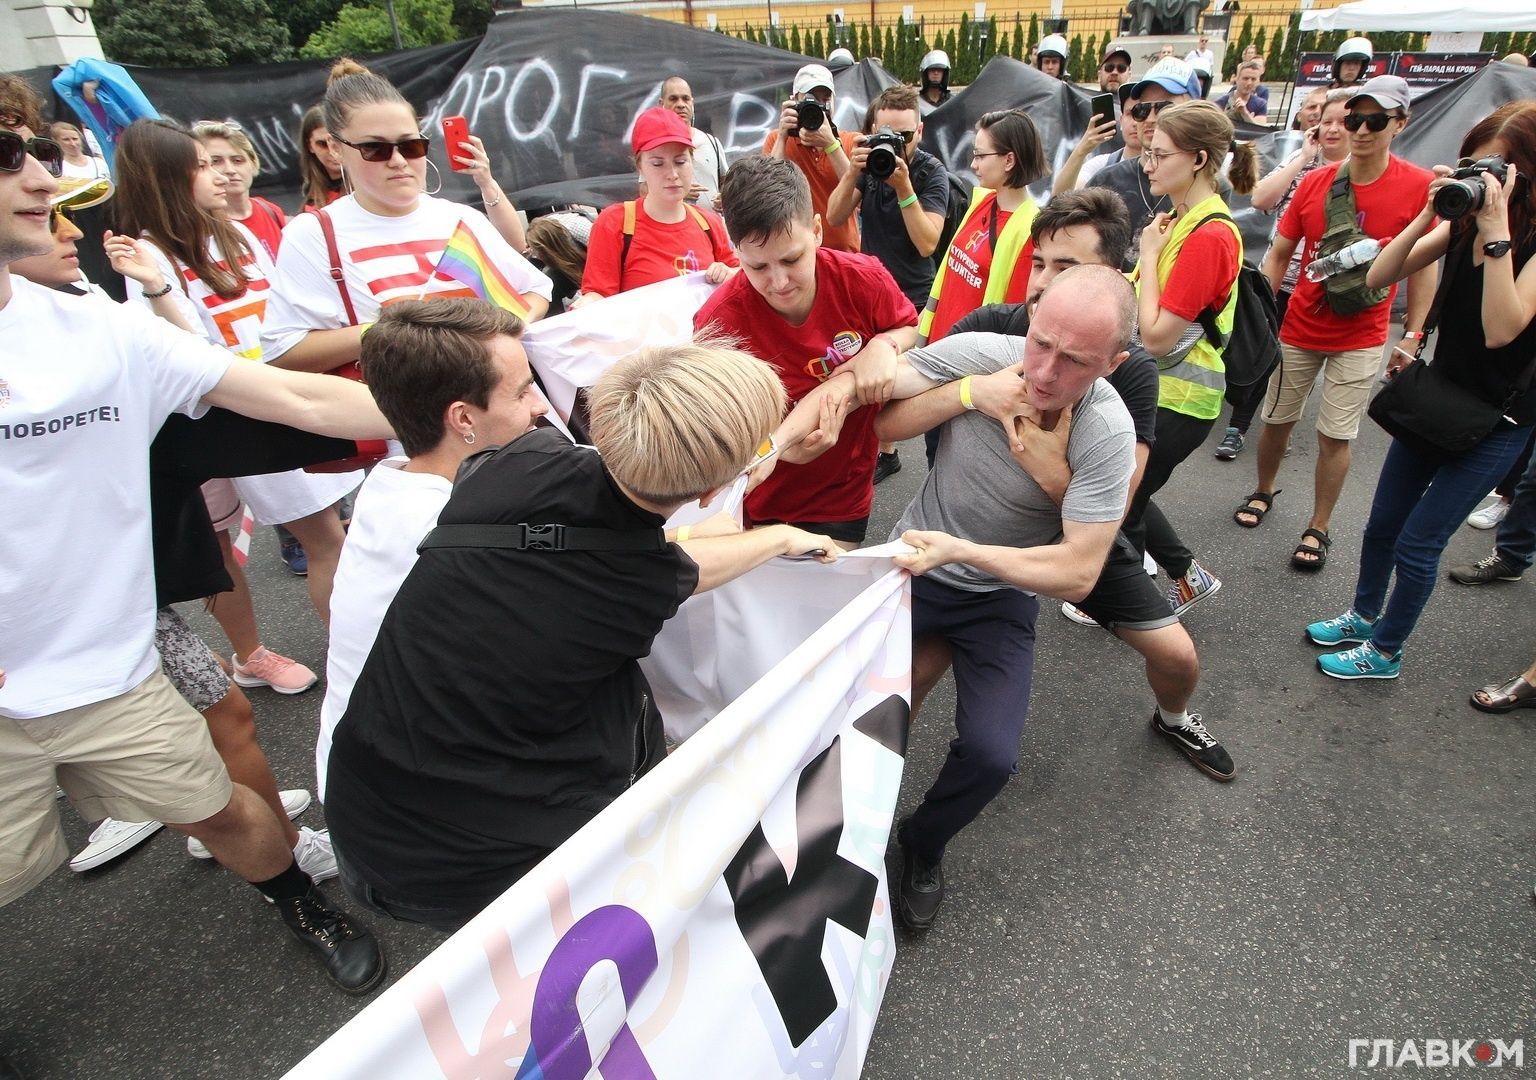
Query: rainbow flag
[466, 262]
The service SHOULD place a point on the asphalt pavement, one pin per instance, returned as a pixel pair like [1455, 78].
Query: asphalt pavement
[1114, 912]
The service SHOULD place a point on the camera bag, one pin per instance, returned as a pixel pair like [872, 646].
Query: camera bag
[1347, 292]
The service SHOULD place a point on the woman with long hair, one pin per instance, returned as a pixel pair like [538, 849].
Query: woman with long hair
[1487, 331]
[1190, 259]
[230, 152]
[319, 167]
[557, 245]
[181, 251]
[988, 260]
[662, 235]
[383, 241]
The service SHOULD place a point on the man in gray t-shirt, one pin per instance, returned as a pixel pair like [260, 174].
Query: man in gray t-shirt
[1026, 494]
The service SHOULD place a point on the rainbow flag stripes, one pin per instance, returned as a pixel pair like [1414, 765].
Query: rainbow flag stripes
[466, 262]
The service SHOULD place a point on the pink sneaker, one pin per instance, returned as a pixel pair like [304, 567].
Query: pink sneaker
[267, 668]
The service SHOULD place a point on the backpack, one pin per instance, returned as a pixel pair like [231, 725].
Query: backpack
[1252, 350]
[1347, 292]
[954, 213]
[694, 212]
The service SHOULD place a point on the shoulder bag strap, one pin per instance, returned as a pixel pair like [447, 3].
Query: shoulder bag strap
[526, 537]
[333, 254]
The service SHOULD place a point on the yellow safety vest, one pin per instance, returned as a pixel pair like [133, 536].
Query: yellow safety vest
[1195, 384]
[1010, 245]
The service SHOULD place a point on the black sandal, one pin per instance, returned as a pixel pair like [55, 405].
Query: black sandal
[1319, 554]
[1515, 694]
[1255, 512]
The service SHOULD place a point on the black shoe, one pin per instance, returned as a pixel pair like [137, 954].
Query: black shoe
[922, 887]
[1198, 744]
[349, 951]
[1488, 568]
[887, 465]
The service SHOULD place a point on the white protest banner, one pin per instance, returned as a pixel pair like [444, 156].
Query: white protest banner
[728, 916]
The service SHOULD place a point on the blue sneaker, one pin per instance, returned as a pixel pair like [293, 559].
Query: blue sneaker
[1362, 662]
[294, 557]
[1350, 628]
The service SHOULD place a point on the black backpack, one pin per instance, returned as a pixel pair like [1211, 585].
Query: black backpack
[1252, 350]
[954, 213]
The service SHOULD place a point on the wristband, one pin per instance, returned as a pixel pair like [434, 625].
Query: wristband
[362, 330]
[836, 147]
[157, 295]
[908, 201]
[965, 394]
[682, 534]
[496, 201]
[1413, 335]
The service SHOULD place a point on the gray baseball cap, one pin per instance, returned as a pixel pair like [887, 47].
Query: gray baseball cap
[1388, 91]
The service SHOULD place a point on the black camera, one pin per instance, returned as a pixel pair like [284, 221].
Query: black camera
[810, 114]
[1468, 187]
[885, 146]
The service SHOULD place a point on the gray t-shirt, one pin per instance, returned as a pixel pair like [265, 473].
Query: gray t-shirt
[978, 492]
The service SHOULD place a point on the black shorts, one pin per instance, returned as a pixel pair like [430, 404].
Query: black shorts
[1126, 597]
[844, 532]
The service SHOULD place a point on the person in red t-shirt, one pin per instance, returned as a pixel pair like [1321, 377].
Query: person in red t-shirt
[807, 310]
[662, 235]
[821, 153]
[230, 152]
[1387, 193]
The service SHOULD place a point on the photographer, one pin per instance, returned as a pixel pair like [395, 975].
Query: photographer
[808, 139]
[1482, 368]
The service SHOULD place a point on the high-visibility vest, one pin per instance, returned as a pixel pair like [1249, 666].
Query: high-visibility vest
[1008, 247]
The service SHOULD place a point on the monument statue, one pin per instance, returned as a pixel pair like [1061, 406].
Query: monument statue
[1165, 16]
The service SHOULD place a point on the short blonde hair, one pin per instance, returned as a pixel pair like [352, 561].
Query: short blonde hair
[212, 129]
[676, 421]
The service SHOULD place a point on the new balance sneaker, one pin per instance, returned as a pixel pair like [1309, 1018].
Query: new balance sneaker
[1187, 591]
[110, 839]
[1197, 744]
[922, 886]
[1489, 568]
[349, 951]
[294, 556]
[1489, 516]
[295, 802]
[887, 465]
[267, 668]
[1231, 444]
[1350, 628]
[1077, 614]
[1364, 661]
[314, 855]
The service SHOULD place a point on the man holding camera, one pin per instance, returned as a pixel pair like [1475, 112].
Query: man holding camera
[808, 139]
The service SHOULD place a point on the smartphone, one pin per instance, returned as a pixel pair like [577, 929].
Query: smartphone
[1103, 106]
[455, 132]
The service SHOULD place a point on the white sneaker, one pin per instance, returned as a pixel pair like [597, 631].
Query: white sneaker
[295, 802]
[1489, 516]
[314, 855]
[110, 839]
[1149, 564]
[1077, 614]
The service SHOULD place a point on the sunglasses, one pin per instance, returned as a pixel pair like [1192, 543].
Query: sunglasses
[14, 150]
[377, 151]
[1143, 109]
[907, 136]
[1370, 121]
[1117, 69]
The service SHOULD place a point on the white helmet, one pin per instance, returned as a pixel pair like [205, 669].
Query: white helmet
[1052, 45]
[839, 60]
[1355, 48]
[936, 58]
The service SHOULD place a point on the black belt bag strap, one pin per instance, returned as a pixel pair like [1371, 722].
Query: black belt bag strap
[526, 537]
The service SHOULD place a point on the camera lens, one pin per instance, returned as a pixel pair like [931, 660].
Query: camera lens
[1459, 198]
[881, 161]
[809, 114]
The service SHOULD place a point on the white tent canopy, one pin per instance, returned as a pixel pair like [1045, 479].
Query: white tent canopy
[1423, 15]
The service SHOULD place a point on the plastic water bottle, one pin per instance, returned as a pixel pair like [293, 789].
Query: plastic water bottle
[1357, 254]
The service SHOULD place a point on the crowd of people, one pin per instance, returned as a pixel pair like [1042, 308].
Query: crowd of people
[1062, 358]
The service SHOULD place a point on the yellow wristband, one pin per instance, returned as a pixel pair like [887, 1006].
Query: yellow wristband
[683, 534]
[836, 147]
[362, 329]
[965, 394]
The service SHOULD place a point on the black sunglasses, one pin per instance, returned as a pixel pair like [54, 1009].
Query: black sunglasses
[1143, 109]
[1370, 121]
[1118, 69]
[410, 149]
[14, 150]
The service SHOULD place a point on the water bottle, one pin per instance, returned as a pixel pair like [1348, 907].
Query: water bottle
[1357, 254]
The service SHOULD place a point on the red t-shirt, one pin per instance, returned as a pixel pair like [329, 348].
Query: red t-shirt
[1384, 208]
[266, 221]
[967, 264]
[1203, 273]
[822, 178]
[658, 251]
[856, 298]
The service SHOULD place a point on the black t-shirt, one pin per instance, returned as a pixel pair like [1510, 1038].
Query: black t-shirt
[502, 706]
[885, 233]
[1463, 353]
[1135, 380]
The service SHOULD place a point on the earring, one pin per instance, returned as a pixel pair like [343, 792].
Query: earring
[439, 173]
[469, 437]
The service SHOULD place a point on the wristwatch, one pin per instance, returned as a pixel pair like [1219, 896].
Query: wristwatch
[1496, 249]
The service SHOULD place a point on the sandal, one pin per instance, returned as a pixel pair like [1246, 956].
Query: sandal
[1264, 498]
[1515, 694]
[1309, 558]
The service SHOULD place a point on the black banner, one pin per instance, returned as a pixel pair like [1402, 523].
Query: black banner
[1316, 68]
[1437, 69]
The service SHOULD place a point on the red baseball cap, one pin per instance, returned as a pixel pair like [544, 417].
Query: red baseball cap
[657, 127]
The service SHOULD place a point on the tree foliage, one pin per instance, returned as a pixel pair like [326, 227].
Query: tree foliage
[190, 33]
[365, 28]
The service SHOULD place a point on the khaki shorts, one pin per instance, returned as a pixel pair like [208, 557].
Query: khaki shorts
[142, 756]
[1347, 381]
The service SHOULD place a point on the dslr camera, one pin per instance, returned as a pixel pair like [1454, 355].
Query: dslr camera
[885, 146]
[1468, 187]
[810, 114]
